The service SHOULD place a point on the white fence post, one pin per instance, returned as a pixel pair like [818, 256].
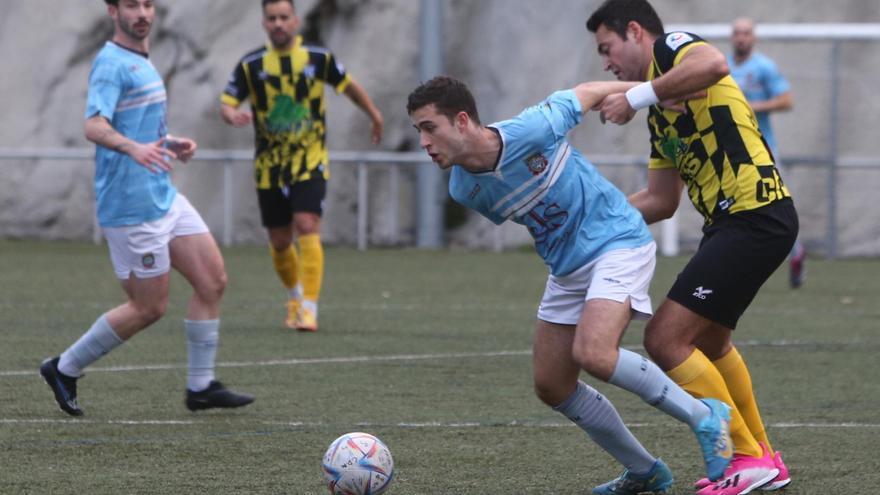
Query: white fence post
[362, 206]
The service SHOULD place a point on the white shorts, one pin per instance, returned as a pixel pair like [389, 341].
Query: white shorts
[143, 248]
[616, 275]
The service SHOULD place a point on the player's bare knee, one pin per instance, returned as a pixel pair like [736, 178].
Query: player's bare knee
[549, 392]
[279, 244]
[151, 312]
[213, 287]
[595, 359]
[654, 344]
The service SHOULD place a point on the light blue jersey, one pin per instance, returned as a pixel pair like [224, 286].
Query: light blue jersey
[540, 181]
[760, 80]
[126, 89]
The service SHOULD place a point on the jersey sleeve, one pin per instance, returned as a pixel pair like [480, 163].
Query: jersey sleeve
[105, 89]
[774, 81]
[657, 159]
[333, 73]
[236, 90]
[669, 48]
[546, 122]
[563, 112]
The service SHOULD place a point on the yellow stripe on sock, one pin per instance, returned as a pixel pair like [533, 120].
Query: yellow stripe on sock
[701, 379]
[285, 265]
[311, 265]
[739, 383]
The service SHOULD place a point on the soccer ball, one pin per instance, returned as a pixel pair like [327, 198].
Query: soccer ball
[358, 464]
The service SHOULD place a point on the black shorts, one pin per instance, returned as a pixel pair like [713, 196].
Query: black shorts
[736, 256]
[277, 206]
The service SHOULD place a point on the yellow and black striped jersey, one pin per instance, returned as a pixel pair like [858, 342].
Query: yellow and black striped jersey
[715, 145]
[286, 92]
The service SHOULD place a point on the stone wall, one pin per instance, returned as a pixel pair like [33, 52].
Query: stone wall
[511, 52]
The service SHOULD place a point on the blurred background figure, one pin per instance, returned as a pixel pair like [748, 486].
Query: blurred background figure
[767, 91]
[284, 83]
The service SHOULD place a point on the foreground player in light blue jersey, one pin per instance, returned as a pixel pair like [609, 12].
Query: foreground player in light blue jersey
[149, 227]
[600, 255]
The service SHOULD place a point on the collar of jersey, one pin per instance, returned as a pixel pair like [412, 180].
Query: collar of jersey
[297, 42]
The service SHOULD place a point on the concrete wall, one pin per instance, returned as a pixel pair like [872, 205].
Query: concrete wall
[511, 52]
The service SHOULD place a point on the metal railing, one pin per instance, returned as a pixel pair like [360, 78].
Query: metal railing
[228, 158]
[392, 162]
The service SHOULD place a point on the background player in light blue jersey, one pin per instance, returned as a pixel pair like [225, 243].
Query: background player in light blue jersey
[767, 91]
[760, 80]
[149, 227]
[600, 255]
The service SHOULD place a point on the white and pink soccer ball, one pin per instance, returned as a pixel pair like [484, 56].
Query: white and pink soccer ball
[358, 464]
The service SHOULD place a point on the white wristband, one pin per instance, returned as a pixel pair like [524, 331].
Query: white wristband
[642, 96]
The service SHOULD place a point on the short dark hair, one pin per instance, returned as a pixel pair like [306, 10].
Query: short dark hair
[114, 3]
[449, 95]
[267, 2]
[617, 14]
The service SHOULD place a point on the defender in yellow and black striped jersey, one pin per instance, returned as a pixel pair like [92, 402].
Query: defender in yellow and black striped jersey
[716, 145]
[285, 89]
[703, 135]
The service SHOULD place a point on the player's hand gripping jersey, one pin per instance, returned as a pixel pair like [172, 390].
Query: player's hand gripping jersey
[286, 94]
[540, 181]
[715, 145]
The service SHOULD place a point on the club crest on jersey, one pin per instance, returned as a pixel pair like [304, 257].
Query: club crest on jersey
[148, 260]
[536, 163]
[675, 40]
[673, 147]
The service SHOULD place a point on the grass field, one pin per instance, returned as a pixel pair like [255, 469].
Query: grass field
[427, 350]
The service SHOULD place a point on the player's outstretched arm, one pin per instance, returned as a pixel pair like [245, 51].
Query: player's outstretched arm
[357, 94]
[591, 94]
[153, 156]
[699, 68]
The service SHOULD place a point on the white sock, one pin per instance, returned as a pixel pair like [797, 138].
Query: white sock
[296, 292]
[637, 374]
[311, 306]
[97, 341]
[202, 338]
[595, 414]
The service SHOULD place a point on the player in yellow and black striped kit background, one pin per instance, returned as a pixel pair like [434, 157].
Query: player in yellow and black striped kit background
[283, 82]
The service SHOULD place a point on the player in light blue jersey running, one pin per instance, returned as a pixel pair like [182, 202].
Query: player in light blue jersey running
[767, 91]
[149, 227]
[600, 255]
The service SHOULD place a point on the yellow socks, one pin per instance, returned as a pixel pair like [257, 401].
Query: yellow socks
[285, 266]
[739, 384]
[699, 376]
[311, 265]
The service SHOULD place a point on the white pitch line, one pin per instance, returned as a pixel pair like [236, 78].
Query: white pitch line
[124, 422]
[404, 357]
[295, 362]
